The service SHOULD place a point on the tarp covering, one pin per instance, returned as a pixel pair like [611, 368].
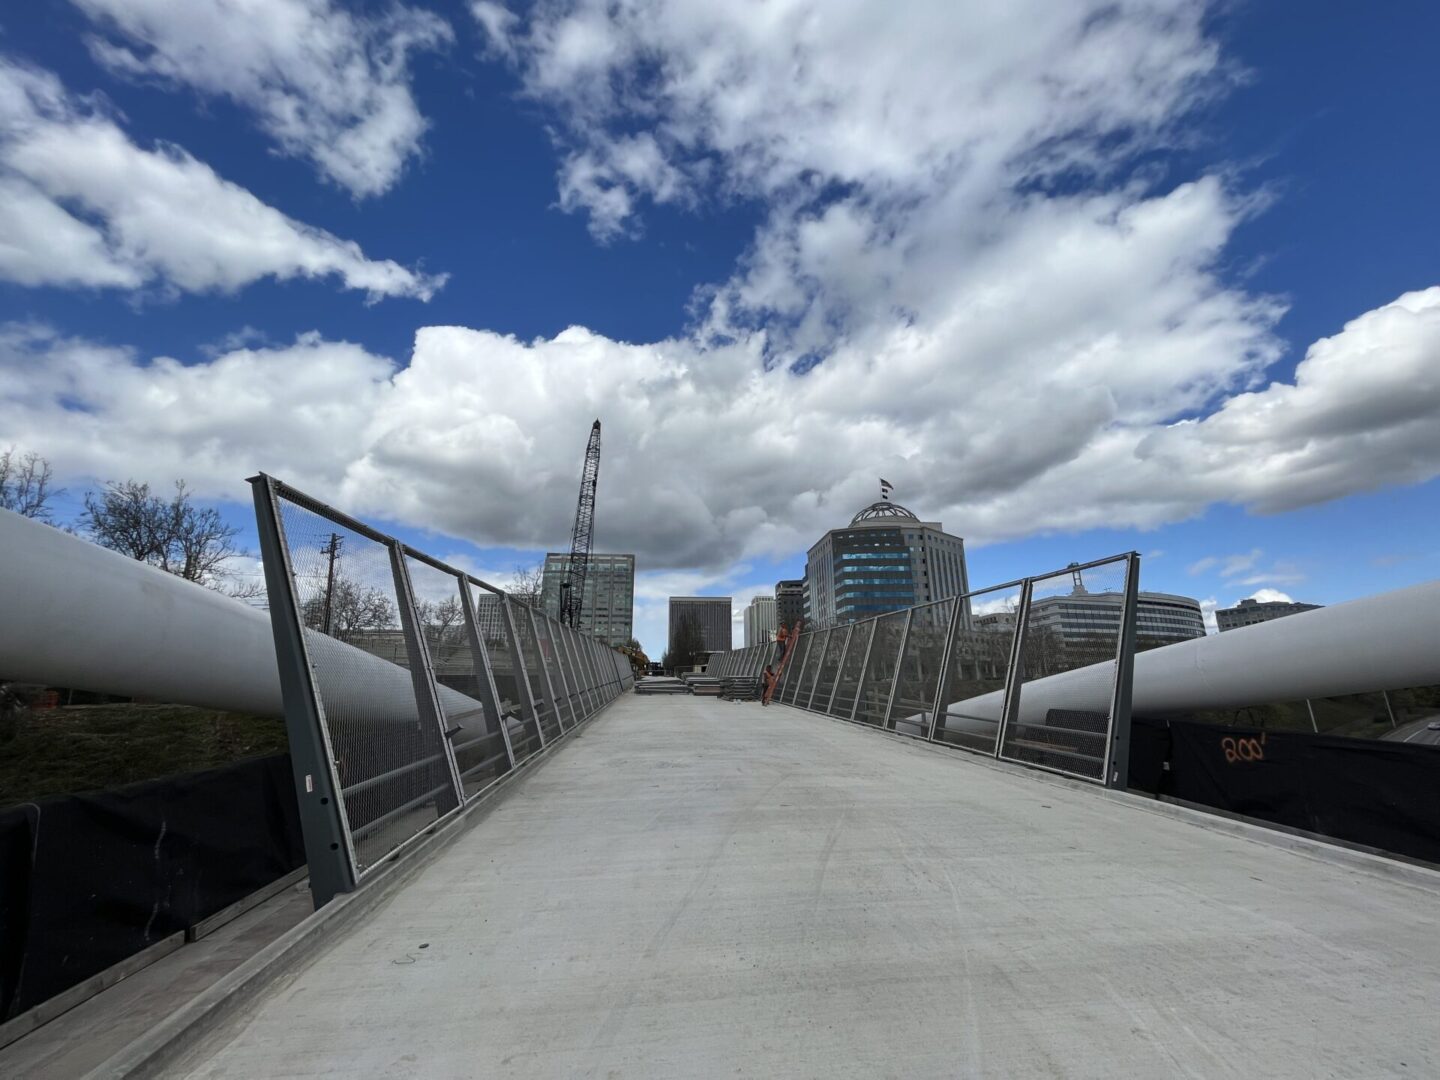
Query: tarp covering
[88, 880]
[1383, 795]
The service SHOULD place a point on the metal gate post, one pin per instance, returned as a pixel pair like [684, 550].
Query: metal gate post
[1011, 706]
[1117, 740]
[480, 661]
[328, 854]
[947, 658]
[886, 725]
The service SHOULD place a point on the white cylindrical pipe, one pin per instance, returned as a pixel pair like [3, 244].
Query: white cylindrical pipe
[73, 614]
[1383, 642]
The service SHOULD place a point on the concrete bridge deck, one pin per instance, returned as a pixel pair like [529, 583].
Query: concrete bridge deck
[700, 888]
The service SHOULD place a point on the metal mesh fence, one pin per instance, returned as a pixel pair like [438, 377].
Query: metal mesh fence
[829, 675]
[545, 639]
[810, 695]
[477, 738]
[852, 668]
[1033, 671]
[873, 699]
[919, 674]
[409, 686]
[980, 652]
[534, 664]
[581, 681]
[798, 670]
[505, 665]
[390, 757]
[1071, 623]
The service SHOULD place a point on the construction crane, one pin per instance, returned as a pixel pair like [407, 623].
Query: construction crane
[572, 588]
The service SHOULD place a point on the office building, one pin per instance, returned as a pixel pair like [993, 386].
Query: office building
[760, 621]
[608, 609]
[712, 613]
[1250, 612]
[884, 560]
[1081, 617]
[789, 602]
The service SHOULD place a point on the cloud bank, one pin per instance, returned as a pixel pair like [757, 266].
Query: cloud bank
[81, 204]
[326, 84]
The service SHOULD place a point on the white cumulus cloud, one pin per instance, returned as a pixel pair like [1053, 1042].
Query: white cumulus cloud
[326, 83]
[82, 204]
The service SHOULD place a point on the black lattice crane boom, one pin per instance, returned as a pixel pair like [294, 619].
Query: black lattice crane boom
[572, 588]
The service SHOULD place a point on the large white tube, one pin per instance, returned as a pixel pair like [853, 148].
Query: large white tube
[73, 614]
[1382, 642]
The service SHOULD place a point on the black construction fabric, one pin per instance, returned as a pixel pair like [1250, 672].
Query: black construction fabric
[89, 880]
[1384, 795]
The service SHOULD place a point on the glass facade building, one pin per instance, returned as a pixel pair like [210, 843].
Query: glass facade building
[713, 615]
[886, 560]
[608, 610]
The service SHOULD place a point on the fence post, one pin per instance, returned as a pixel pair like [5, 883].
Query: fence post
[1011, 707]
[864, 666]
[480, 661]
[947, 658]
[899, 666]
[521, 669]
[1117, 742]
[328, 855]
[824, 647]
[422, 671]
[840, 668]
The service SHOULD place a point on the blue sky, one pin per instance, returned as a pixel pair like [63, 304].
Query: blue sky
[1054, 284]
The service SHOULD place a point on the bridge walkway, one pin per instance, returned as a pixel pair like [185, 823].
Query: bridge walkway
[703, 888]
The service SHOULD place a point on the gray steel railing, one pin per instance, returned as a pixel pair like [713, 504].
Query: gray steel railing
[913, 671]
[410, 687]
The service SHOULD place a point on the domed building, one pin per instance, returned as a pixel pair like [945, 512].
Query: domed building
[886, 559]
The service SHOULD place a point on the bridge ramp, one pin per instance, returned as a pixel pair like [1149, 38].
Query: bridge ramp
[703, 888]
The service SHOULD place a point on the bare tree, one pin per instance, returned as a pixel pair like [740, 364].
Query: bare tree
[25, 485]
[441, 621]
[527, 582]
[687, 645]
[189, 541]
[351, 609]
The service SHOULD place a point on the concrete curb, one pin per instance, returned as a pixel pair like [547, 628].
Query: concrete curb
[1309, 845]
[169, 1040]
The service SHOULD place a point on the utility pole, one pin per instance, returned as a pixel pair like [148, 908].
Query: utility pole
[332, 549]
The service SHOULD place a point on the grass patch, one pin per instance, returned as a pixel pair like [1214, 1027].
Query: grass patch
[89, 747]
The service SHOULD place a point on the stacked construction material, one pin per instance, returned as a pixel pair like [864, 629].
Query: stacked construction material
[740, 688]
[703, 685]
[661, 684]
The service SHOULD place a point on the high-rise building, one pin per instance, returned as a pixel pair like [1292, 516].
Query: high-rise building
[789, 602]
[608, 609]
[1250, 612]
[712, 613]
[884, 560]
[760, 621]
